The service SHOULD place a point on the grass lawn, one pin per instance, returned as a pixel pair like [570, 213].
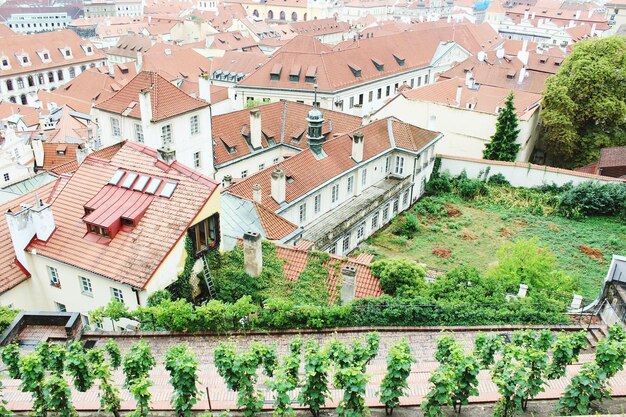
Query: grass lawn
[470, 233]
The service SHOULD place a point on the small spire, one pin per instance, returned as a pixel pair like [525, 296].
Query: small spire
[315, 96]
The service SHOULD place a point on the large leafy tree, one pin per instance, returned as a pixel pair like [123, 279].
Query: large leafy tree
[504, 145]
[584, 104]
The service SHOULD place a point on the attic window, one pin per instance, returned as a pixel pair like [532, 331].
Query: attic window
[294, 75]
[510, 75]
[289, 179]
[557, 63]
[5, 62]
[380, 66]
[168, 189]
[543, 60]
[311, 74]
[356, 70]
[399, 60]
[275, 72]
[61, 149]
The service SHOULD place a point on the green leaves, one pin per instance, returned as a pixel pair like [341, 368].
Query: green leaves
[77, 365]
[11, 358]
[588, 386]
[394, 384]
[504, 145]
[138, 363]
[182, 365]
[398, 275]
[286, 379]
[316, 367]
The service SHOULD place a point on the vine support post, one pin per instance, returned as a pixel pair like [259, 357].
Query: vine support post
[208, 396]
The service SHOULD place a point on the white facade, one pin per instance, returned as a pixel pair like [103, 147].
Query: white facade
[466, 132]
[16, 159]
[37, 21]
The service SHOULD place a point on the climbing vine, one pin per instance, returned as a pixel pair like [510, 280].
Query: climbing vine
[394, 384]
[286, 379]
[11, 358]
[316, 367]
[182, 365]
[33, 374]
[137, 365]
[78, 367]
[59, 396]
[114, 353]
[311, 287]
[109, 393]
[565, 351]
[486, 347]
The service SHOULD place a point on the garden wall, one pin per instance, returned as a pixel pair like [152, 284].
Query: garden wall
[519, 174]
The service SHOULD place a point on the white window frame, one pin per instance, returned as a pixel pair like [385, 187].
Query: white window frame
[197, 160]
[194, 124]
[375, 220]
[350, 184]
[399, 169]
[360, 231]
[261, 167]
[166, 136]
[116, 131]
[53, 274]
[334, 193]
[345, 244]
[244, 173]
[85, 286]
[6, 176]
[139, 133]
[317, 203]
[302, 212]
[117, 295]
[364, 177]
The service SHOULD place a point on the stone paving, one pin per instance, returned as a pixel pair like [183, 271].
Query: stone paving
[422, 343]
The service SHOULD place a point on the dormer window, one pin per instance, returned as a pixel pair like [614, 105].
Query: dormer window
[399, 59]
[5, 62]
[380, 66]
[275, 72]
[88, 49]
[23, 59]
[66, 52]
[356, 70]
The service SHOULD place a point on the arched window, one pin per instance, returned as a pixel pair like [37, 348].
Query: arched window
[255, 13]
[305, 17]
[10, 86]
[50, 77]
[82, 68]
[294, 16]
[12, 99]
[60, 75]
[282, 15]
[270, 14]
[41, 78]
[20, 83]
[23, 99]
[31, 81]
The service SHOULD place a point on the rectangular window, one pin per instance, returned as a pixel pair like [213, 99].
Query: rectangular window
[196, 159]
[379, 94]
[375, 221]
[193, 125]
[302, 213]
[387, 164]
[388, 91]
[351, 102]
[332, 249]
[244, 173]
[419, 81]
[53, 274]
[6, 176]
[412, 82]
[334, 193]
[261, 167]
[317, 203]
[386, 213]
[275, 161]
[115, 128]
[205, 234]
[360, 232]
[426, 79]
[399, 165]
[166, 136]
[60, 307]
[350, 184]
[117, 295]
[345, 246]
[85, 286]
[396, 203]
[364, 177]
[138, 133]
[370, 96]
[405, 199]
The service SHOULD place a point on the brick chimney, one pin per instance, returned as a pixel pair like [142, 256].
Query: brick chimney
[279, 186]
[227, 181]
[27, 223]
[256, 193]
[357, 147]
[37, 144]
[252, 254]
[348, 283]
[255, 128]
[166, 155]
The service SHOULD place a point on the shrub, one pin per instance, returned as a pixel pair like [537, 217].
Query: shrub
[439, 185]
[158, 297]
[593, 199]
[468, 188]
[397, 275]
[405, 226]
[498, 179]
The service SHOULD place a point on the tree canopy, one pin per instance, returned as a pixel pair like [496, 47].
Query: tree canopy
[584, 104]
[504, 145]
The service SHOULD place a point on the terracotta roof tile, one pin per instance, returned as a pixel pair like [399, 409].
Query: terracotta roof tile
[167, 100]
[34, 45]
[134, 254]
[296, 259]
[71, 166]
[58, 153]
[612, 157]
[275, 226]
[283, 120]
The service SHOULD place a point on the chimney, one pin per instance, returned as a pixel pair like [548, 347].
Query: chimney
[256, 193]
[357, 147]
[590, 14]
[500, 53]
[255, 128]
[348, 283]
[577, 16]
[37, 144]
[139, 62]
[523, 289]
[111, 69]
[279, 185]
[469, 79]
[204, 87]
[522, 75]
[459, 91]
[252, 254]
[227, 181]
[36, 221]
[145, 106]
[482, 56]
[532, 16]
[166, 155]
[523, 56]
[81, 153]
[526, 13]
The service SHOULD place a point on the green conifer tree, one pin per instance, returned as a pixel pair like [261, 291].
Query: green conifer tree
[503, 145]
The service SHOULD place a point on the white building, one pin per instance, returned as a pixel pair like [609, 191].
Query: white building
[114, 230]
[17, 161]
[339, 191]
[150, 110]
[358, 77]
[113, 8]
[466, 114]
[39, 18]
[42, 61]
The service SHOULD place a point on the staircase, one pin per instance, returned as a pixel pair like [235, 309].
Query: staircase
[595, 334]
[208, 277]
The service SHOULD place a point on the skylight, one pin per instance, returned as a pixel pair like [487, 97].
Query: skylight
[141, 183]
[168, 189]
[154, 184]
[128, 181]
[116, 177]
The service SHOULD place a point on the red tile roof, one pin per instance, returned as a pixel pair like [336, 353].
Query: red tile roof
[308, 172]
[53, 42]
[11, 272]
[275, 226]
[135, 253]
[105, 153]
[167, 100]
[612, 157]
[318, 27]
[284, 121]
[30, 115]
[366, 284]
[58, 153]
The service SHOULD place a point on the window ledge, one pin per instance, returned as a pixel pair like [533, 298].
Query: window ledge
[88, 294]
